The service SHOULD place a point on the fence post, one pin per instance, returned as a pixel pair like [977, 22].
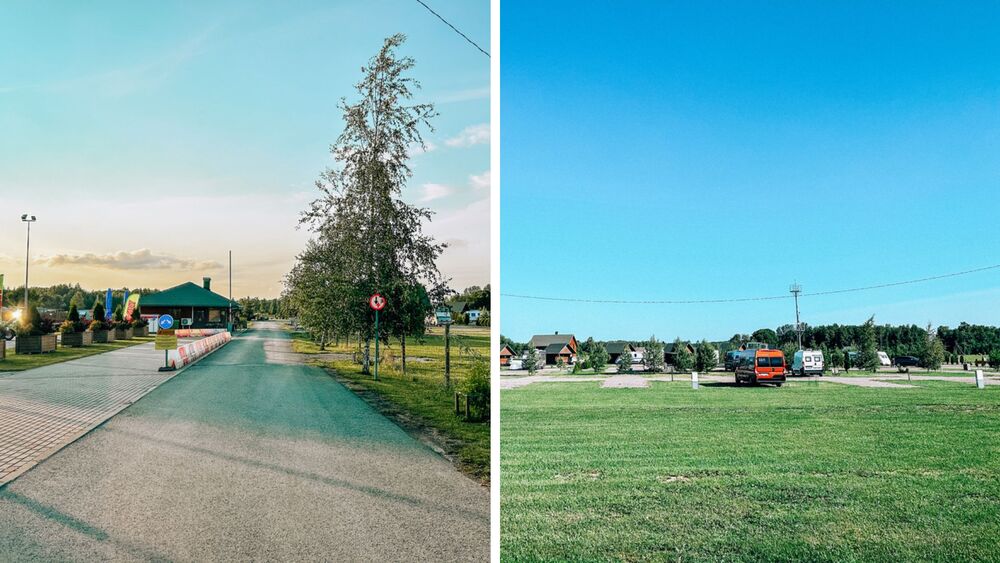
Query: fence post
[458, 411]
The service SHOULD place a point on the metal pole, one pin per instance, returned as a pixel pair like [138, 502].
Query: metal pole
[795, 289]
[447, 355]
[230, 318]
[27, 260]
[376, 344]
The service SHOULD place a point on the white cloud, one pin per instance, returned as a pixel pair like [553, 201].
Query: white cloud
[142, 259]
[416, 150]
[472, 135]
[480, 181]
[435, 191]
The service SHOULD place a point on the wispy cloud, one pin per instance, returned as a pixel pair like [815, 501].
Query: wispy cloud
[472, 135]
[416, 149]
[464, 95]
[117, 82]
[480, 181]
[142, 259]
[435, 191]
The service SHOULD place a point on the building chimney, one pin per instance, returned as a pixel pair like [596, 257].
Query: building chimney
[206, 283]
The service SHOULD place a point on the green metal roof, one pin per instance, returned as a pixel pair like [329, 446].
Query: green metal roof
[185, 295]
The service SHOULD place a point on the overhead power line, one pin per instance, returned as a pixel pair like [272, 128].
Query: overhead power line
[744, 299]
[473, 43]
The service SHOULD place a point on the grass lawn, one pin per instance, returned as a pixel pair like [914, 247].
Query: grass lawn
[810, 471]
[422, 393]
[21, 362]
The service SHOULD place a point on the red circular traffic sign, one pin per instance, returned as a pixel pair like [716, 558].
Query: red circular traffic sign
[376, 302]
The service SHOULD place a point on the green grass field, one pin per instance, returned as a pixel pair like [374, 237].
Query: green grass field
[422, 392]
[21, 362]
[810, 471]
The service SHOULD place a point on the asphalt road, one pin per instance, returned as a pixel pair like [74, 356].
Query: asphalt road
[240, 459]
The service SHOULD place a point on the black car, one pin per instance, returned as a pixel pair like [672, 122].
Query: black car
[905, 361]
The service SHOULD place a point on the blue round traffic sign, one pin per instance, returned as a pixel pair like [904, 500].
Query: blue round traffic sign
[165, 322]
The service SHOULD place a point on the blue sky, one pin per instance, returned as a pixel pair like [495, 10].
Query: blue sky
[219, 115]
[677, 150]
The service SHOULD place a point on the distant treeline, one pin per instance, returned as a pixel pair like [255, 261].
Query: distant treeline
[61, 296]
[903, 340]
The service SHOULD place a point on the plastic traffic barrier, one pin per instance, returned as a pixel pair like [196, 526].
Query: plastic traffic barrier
[188, 353]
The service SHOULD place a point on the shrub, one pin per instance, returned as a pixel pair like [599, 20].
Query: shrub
[484, 318]
[598, 358]
[704, 357]
[99, 312]
[994, 359]
[67, 327]
[74, 315]
[683, 358]
[625, 362]
[96, 325]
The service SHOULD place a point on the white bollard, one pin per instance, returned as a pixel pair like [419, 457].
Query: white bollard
[980, 380]
[694, 380]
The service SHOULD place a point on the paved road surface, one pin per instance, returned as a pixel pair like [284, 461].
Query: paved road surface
[240, 459]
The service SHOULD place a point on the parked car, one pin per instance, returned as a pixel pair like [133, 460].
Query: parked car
[732, 360]
[808, 362]
[905, 361]
[761, 366]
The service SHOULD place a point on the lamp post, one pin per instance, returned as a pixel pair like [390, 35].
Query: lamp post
[29, 219]
[795, 288]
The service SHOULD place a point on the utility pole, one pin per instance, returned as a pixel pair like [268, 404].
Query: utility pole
[796, 289]
[447, 355]
[230, 318]
[29, 219]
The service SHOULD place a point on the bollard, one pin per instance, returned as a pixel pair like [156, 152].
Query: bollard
[980, 380]
[694, 380]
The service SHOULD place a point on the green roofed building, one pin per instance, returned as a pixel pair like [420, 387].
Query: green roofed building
[204, 307]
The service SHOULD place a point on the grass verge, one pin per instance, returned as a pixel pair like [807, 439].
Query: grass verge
[21, 362]
[419, 402]
[819, 472]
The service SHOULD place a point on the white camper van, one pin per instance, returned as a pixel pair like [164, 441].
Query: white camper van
[883, 359]
[808, 362]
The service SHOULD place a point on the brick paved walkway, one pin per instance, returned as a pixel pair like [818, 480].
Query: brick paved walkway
[44, 409]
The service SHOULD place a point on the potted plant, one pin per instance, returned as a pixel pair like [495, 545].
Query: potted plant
[123, 329]
[35, 335]
[139, 326]
[74, 332]
[101, 328]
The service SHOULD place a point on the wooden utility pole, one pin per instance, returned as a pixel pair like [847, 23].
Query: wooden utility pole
[447, 355]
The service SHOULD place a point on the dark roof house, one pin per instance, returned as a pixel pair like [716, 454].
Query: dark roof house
[204, 307]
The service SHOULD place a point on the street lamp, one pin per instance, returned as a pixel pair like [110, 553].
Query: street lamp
[29, 219]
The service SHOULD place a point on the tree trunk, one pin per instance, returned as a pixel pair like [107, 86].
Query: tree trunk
[402, 341]
[322, 341]
[365, 367]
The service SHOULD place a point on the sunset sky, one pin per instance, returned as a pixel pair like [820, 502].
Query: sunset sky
[151, 141]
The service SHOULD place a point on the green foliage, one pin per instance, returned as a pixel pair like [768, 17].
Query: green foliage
[704, 357]
[598, 357]
[67, 327]
[932, 354]
[994, 359]
[74, 315]
[530, 361]
[32, 324]
[478, 380]
[836, 358]
[624, 362]
[868, 356]
[118, 316]
[516, 347]
[789, 350]
[484, 317]
[683, 358]
[766, 336]
[653, 358]
[98, 312]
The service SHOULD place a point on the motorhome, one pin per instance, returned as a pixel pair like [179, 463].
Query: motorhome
[883, 359]
[808, 362]
[761, 366]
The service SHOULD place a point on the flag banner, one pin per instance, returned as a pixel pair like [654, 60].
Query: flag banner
[1, 293]
[131, 304]
[107, 306]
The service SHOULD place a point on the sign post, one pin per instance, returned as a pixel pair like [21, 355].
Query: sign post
[166, 339]
[443, 315]
[694, 380]
[376, 302]
[980, 379]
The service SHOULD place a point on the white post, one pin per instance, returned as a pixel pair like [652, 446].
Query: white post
[694, 380]
[980, 380]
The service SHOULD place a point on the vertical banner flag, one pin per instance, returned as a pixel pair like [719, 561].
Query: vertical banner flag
[124, 305]
[107, 305]
[1, 293]
[131, 304]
